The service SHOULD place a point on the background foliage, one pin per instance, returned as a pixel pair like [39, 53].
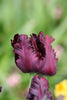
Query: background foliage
[26, 17]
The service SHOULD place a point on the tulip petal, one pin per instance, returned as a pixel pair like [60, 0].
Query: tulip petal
[40, 92]
[0, 88]
[51, 61]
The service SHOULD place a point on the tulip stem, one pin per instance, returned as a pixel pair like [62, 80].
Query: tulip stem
[31, 76]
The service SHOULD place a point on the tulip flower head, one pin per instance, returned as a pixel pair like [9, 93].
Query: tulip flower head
[34, 54]
[39, 89]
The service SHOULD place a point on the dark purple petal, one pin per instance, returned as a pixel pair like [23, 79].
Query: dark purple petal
[25, 58]
[39, 89]
[49, 95]
[0, 88]
[51, 61]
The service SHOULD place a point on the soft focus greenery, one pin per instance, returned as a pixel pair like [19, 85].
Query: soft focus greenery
[26, 17]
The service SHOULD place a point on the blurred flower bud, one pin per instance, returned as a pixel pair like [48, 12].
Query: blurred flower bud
[59, 51]
[39, 89]
[34, 54]
[60, 97]
[57, 13]
[13, 80]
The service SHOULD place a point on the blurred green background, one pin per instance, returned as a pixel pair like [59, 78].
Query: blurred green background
[26, 17]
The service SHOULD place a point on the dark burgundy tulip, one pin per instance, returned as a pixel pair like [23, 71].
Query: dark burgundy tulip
[39, 89]
[34, 54]
[0, 88]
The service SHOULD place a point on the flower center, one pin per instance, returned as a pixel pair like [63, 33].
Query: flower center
[37, 46]
[40, 48]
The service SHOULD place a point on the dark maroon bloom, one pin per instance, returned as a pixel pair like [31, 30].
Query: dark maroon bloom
[34, 54]
[0, 88]
[39, 89]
